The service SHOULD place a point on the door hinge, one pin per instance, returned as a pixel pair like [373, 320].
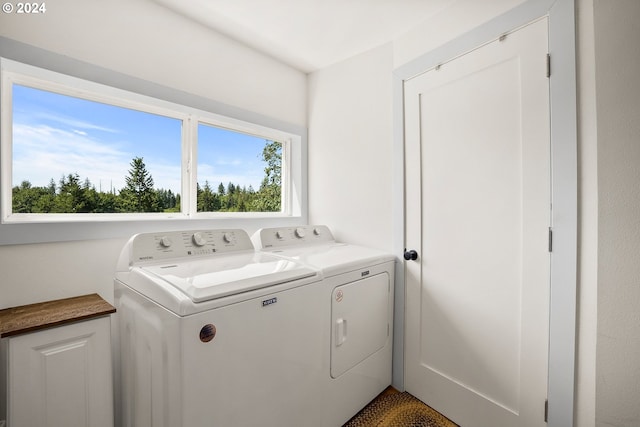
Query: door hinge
[550, 239]
[548, 65]
[546, 410]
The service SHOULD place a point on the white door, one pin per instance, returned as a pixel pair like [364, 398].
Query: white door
[478, 212]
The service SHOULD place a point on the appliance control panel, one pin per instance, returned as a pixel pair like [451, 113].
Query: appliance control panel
[184, 244]
[291, 236]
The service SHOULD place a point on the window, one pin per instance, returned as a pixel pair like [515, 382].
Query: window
[73, 155]
[238, 172]
[74, 150]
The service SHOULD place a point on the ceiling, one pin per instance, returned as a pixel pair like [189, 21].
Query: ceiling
[309, 34]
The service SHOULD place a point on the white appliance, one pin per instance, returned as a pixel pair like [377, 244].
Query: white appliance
[212, 333]
[358, 285]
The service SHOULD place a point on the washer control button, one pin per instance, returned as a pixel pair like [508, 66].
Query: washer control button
[198, 239]
[300, 232]
[165, 241]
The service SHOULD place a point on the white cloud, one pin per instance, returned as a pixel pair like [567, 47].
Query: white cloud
[67, 121]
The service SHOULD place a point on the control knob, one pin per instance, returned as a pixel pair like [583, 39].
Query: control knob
[198, 239]
[300, 232]
[165, 242]
[227, 238]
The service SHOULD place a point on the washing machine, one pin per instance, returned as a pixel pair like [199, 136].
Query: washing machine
[213, 333]
[358, 284]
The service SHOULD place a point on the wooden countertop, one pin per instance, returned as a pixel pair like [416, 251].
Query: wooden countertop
[33, 317]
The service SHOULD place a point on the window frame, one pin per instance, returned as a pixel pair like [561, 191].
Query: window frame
[286, 139]
[17, 228]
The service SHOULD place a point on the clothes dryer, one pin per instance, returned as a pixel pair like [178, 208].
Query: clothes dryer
[358, 285]
[212, 333]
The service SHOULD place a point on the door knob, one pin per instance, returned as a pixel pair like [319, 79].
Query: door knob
[410, 255]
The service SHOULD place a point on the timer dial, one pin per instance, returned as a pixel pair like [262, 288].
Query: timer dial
[165, 242]
[300, 232]
[198, 239]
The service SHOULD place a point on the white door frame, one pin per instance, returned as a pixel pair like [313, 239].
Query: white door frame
[564, 170]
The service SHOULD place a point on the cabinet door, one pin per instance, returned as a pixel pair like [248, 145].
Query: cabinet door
[62, 376]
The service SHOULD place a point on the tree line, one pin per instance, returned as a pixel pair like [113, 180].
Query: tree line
[73, 195]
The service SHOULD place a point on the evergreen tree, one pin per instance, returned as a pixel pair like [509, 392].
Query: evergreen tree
[71, 196]
[139, 195]
[51, 189]
[167, 200]
[107, 203]
[231, 189]
[90, 197]
[29, 199]
[208, 201]
[23, 197]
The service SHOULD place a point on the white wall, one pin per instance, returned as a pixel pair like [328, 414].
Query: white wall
[617, 60]
[34, 273]
[350, 148]
[143, 40]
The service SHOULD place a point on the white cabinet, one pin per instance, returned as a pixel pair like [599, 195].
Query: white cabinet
[59, 376]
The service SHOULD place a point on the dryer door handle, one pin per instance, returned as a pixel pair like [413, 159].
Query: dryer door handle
[341, 331]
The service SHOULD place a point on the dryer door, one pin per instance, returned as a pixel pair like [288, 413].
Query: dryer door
[360, 319]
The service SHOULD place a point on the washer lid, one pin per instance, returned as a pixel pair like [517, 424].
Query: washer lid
[216, 277]
[334, 258]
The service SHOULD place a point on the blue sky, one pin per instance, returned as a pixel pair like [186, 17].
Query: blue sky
[55, 134]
